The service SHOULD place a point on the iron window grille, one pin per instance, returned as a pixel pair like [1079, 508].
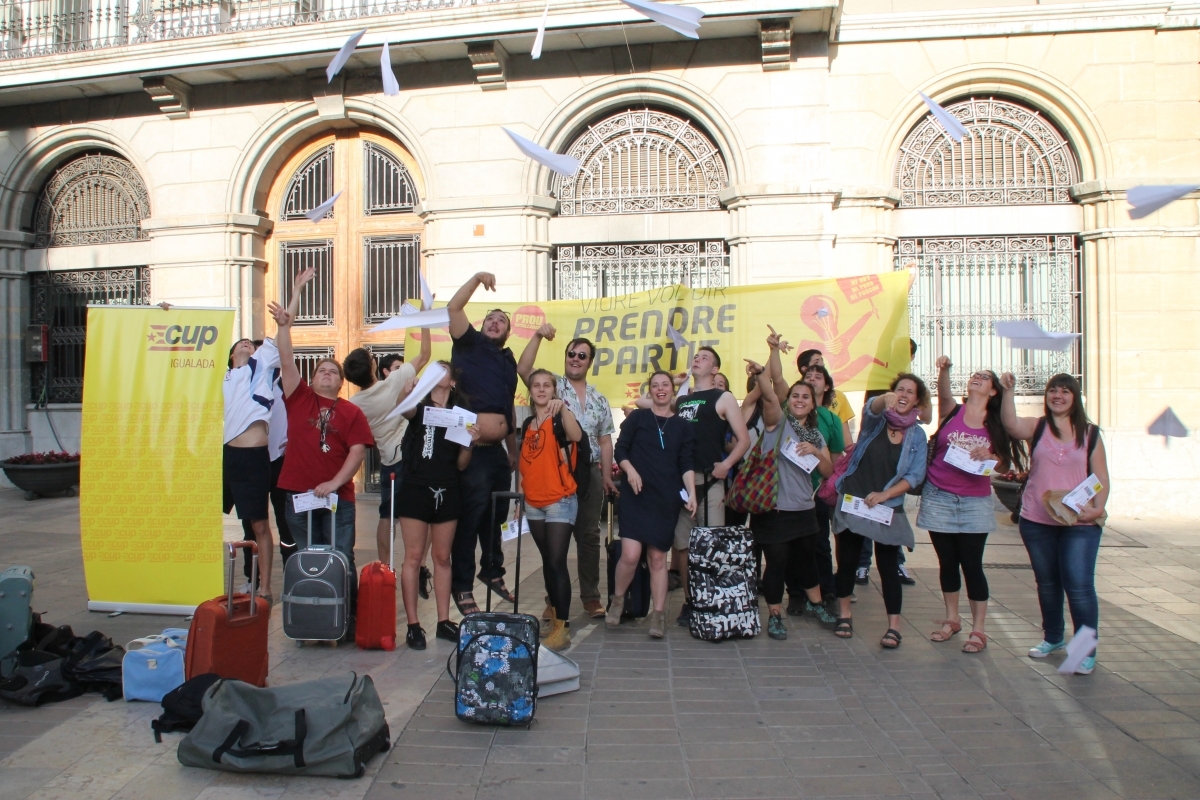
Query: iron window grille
[92, 199]
[391, 274]
[966, 284]
[1011, 155]
[60, 300]
[642, 161]
[307, 359]
[316, 298]
[310, 186]
[389, 186]
[604, 270]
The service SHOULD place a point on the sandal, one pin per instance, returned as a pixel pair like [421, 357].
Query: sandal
[844, 628]
[941, 635]
[465, 602]
[977, 642]
[497, 586]
[891, 639]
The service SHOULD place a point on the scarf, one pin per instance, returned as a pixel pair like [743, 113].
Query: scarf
[804, 433]
[901, 422]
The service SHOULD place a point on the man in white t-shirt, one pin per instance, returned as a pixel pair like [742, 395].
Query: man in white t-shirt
[376, 398]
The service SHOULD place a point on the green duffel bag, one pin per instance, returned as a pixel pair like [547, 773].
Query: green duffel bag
[331, 727]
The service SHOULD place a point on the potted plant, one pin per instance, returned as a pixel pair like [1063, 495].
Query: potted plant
[1007, 486]
[43, 473]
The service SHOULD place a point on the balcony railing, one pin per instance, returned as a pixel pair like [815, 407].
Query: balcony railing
[44, 27]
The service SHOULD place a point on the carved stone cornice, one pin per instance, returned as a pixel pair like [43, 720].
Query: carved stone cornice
[490, 61]
[172, 96]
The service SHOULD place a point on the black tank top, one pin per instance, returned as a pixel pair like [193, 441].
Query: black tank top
[700, 409]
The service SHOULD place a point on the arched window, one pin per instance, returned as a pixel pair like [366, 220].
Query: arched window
[92, 199]
[642, 161]
[1010, 156]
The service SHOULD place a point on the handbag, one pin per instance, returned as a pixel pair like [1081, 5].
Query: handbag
[827, 491]
[756, 487]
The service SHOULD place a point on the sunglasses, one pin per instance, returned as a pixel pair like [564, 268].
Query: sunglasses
[582, 355]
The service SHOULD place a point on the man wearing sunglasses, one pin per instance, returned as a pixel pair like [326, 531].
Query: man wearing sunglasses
[594, 415]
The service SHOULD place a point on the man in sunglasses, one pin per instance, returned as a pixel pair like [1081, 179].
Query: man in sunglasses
[594, 415]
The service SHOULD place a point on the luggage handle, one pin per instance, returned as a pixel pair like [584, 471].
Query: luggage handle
[169, 641]
[231, 548]
[520, 498]
[288, 747]
[392, 543]
[332, 532]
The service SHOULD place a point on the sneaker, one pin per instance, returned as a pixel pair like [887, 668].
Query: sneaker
[820, 614]
[795, 607]
[1044, 648]
[1087, 667]
[424, 583]
[906, 577]
[447, 630]
[415, 638]
[853, 597]
[775, 627]
[685, 616]
[860, 576]
[244, 588]
[673, 580]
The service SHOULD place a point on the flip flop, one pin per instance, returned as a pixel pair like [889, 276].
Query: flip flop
[977, 642]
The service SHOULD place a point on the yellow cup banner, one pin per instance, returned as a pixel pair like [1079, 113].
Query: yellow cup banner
[150, 478]
[860, 323]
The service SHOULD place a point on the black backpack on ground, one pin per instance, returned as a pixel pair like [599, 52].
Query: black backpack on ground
[183, 705]
[34, 677]
[582, 470]
[95, 663]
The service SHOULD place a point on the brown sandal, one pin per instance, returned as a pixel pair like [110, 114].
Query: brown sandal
[977, 642]
[465, 602]
[941, 635]
[499, 588]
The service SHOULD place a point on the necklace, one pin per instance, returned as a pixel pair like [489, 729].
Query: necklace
[661, 428]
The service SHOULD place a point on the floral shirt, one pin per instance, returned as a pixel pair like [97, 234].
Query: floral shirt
[596, 420]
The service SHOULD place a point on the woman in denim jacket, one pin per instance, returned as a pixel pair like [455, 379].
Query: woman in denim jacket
[889, 459]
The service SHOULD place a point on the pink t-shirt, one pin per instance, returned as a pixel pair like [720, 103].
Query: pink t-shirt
[953, 479]
[1055, 465]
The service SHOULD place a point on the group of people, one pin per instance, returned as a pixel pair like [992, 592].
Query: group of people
[677, 454]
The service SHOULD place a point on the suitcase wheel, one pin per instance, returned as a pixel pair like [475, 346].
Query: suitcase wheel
[388, 643]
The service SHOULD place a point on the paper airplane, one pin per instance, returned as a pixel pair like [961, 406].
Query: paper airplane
[677, 338]
[952, 125]
[1025, 334]
[343, 55]
[433, 318]
[430, 378]
[563, 165]
[317, 214]
[1167, 425]
[391, 86]
[1082, 644]
[684, 20]
[426, 293]
[536, 53]
[1145, 200]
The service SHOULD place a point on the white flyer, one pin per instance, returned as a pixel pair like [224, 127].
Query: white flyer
[508, 531]
[1078, 497]
[858, 507]
[960, 458]
[429, 379]
[807, 463]
[456, 417]
[307, 501]
[683, 495]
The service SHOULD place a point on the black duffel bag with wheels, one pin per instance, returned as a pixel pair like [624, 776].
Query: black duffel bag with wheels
[331, 727]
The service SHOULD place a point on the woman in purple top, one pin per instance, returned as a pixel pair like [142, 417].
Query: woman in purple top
[1064, 449]
[956, 503]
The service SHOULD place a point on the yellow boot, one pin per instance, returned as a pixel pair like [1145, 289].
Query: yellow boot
[559, 637]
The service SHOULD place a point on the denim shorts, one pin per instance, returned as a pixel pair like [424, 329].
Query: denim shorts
[564, 510]
[946, 512]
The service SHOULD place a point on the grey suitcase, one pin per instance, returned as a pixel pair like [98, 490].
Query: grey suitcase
[316, 591]
[16, 614]
[330, 726]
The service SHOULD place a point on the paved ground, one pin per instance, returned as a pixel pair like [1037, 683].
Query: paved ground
[810, 717]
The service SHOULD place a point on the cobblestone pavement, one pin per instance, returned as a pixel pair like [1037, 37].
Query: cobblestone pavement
[813, 716]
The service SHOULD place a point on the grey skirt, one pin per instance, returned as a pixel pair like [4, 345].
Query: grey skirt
[946, 512]
[899, 532]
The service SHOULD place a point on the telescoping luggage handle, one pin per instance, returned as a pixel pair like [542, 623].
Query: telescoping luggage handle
[332, 531]
[392, 543]
[520, 498]
[231, 549]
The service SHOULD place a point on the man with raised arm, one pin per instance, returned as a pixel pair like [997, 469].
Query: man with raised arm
[712, 413]
[592, 411]
[327, 440]
[488, 378]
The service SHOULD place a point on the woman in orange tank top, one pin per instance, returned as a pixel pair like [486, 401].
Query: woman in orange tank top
[550, 500]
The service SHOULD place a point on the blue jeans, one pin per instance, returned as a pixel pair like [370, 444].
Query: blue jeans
[488, 472]
[344, 525]
[1064, 560]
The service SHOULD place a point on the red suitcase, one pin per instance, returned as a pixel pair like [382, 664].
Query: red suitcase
[375, 619]
[228, 635]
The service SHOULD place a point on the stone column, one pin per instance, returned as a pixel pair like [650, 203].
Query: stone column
[779, 232]
[14, 383]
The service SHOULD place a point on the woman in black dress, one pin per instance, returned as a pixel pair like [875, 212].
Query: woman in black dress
[655, 452]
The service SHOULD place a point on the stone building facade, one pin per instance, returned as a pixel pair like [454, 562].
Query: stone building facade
[167, 152]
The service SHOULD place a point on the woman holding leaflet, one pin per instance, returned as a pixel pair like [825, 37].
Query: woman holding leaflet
[655, 451]
[956, 503]
[1064, 450]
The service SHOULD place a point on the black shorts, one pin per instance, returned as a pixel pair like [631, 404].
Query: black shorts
[385, 491]
[246, 476]
[431, 504]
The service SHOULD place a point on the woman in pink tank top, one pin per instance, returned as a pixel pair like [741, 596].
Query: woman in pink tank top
[1065, 449]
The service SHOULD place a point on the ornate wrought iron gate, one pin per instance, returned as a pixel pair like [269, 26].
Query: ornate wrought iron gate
[604, 270]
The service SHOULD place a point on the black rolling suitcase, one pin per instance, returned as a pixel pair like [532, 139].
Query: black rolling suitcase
[637, 596]
[721, 582]
[496, 661]
[316, 590]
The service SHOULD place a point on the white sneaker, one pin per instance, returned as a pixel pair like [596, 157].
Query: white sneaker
[860, 576]
[244, 588]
